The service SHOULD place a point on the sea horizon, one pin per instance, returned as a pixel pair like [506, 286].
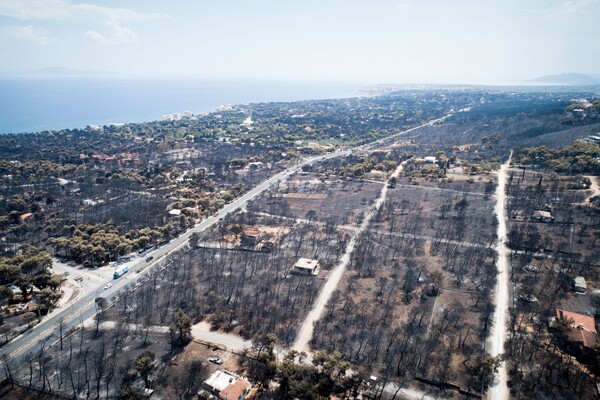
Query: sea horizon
[30, 103]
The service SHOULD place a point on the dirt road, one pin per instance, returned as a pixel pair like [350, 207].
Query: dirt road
[594, 188]
[499, 391]
[306, 329]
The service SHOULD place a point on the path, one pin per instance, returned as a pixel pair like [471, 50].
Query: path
[232, 342]
[499, 391]
[593, 187]
[306, 329]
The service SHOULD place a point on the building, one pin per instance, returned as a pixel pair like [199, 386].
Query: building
[306, 266]
[579, 285]
[582, 334]
[224, 385]
[251, 236]
[543, 216]
[430, 159]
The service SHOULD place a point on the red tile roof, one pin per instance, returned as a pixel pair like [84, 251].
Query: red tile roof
[583, 328]
[235, 390]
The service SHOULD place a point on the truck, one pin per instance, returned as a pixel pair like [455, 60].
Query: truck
[120, 272]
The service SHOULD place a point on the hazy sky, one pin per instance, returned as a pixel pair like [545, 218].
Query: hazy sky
[375, 41]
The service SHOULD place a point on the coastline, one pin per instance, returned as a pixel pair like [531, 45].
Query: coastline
[30, 104]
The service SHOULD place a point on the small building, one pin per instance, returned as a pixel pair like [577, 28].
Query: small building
[23, 217]
[224, 385]
[175, 212]
[582, 334]
[430, 159]
[251, 236]
[579, 285]
[541, 215]
[306, 266]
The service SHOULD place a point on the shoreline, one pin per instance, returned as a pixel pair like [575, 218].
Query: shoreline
[36, 104]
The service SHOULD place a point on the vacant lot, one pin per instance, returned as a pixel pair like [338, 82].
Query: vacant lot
[326, 199]
[414, 301]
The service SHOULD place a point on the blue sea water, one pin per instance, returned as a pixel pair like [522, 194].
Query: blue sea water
[38, 103]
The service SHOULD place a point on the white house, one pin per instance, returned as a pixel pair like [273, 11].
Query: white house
[306, 266]
[224, 385]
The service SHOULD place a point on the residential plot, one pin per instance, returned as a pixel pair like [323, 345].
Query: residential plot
[412, 302]
[325, 199]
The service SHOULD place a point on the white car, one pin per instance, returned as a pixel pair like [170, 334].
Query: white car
[107, 286]
[215, 360]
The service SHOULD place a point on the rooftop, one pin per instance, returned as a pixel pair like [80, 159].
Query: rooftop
[220, 379]
[307, 263]
[583, 328]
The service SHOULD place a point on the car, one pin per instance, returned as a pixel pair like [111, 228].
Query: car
[79, 278]
[107, 286]
[215, 360]
[149, 259]
[216, 214]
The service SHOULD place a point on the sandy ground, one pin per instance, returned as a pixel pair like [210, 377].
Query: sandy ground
[201, 331]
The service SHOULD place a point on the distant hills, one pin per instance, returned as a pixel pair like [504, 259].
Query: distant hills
[569, 79]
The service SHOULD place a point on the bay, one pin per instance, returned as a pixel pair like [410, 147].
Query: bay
[38, 103]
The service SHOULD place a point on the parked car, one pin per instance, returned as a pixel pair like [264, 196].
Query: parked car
[215, 360]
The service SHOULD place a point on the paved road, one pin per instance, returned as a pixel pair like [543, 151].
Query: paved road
[84, 307]
[499, 391]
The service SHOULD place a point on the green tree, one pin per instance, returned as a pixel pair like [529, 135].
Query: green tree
[182, 325]
[144, 365]
[488, 368]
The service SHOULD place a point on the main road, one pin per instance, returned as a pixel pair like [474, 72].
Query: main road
[48, 331]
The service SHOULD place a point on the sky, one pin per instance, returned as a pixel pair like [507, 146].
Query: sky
[367, 41]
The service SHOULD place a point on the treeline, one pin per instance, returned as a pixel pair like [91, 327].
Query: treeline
[579, 158]
[97, 244]
[25, 270]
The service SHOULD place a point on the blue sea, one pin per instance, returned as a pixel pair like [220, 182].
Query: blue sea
[39, 103]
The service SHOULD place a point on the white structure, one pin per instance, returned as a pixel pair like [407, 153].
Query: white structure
[430, 159]
[224, 385]
[248, 122]
[580, 285]
[306, 266]
[544, 216]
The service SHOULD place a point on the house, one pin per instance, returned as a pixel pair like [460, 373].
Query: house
[23, 217]
[306, 266]
[543, 216]
[430, 159]
[251, 236]
[224, 385]
[579, 285]
[582, 334]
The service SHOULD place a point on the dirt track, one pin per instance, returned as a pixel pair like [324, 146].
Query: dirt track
[499, 391]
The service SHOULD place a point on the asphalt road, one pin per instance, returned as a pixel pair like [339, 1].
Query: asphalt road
[48, 331]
